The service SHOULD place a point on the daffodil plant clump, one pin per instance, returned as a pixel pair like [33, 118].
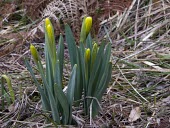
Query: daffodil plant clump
[89, 79]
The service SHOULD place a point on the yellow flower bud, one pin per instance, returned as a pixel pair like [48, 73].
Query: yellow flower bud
[85, 29]
[95, 46]
[34, 53]
[94, 54]
[50, 32]
[88, 23]
[47, 22]
[94, 50]
[50, 40]
[87, 55]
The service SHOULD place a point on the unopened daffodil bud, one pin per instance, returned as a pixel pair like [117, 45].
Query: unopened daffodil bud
[85, 29]
[34, 53]
[87, 55]
[47, 22]
[50, 41]
[50, 32]
[94, 54]
[95, 46]
[88, 23]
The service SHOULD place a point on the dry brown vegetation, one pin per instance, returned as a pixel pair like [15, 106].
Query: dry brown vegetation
[139, 31]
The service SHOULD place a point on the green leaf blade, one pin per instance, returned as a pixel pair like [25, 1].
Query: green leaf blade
[71, 45]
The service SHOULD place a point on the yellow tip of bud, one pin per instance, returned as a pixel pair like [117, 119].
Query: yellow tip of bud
[85, 29]
[47, 21]
[34, 53]
[87, 55]
[95, 45]
[50, 31]
[88, 23]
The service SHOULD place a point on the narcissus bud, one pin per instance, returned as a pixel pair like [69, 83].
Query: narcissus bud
[88, 23]
[50, 40]
[34, 53]
[87, 55]
[95, 47]
[85, 29]
[50, 32]
[94, 53]
[47, 22]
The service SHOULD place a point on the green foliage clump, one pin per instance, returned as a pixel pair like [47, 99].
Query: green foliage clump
[90, 76]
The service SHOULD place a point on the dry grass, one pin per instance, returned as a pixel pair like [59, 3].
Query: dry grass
[141, 73]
